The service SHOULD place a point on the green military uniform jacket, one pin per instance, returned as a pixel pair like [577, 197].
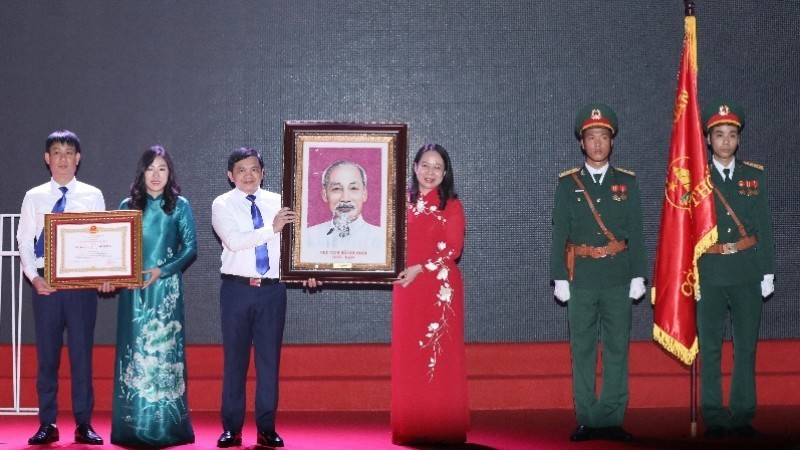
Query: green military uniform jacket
[621, 212]
[752, 208]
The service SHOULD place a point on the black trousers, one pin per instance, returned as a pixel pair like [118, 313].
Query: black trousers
[251, 316]
[73, 312]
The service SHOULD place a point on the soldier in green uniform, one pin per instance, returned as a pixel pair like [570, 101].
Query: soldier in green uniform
[598, 264]
[734, 274]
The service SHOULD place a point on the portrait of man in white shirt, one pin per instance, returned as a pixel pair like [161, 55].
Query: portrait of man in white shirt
[346, 237]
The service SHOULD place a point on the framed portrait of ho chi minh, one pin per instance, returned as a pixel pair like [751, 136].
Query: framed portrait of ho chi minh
[85, 250]
[347, 182]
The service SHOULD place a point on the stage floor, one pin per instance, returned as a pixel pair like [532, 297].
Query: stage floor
[508, 430]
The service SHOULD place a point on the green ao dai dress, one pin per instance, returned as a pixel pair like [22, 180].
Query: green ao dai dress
[150, 403]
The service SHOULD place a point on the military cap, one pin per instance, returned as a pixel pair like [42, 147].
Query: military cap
[722, 112]
[595, 115]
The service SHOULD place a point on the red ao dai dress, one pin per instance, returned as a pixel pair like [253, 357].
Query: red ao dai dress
[429, 374]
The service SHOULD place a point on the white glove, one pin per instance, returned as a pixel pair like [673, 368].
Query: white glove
[767, 285]
[561, 292]
[637, 288]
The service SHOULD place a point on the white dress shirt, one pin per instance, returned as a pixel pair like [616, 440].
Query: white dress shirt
[602, 171]
[81, 197]
[231, 219]
[720, 167]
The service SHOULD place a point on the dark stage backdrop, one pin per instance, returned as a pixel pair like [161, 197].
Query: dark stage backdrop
[496, 82]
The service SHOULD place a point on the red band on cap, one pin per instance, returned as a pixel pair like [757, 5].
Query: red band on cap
[592, 123]
[723, 119]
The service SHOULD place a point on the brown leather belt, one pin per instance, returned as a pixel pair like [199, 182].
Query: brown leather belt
[613, 247]
[733, 247]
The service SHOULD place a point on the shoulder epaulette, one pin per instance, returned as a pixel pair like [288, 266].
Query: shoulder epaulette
[568, 172]
[753, 165]
[629, 172]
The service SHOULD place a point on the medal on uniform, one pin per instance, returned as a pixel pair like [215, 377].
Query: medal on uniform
[748, 187]
[618, 192]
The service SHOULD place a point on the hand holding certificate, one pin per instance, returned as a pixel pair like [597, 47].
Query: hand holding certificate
[85, 250]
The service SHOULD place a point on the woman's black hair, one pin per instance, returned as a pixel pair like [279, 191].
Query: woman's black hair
[139, 187]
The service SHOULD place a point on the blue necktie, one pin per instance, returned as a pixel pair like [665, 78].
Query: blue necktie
[262, 257]
[38, 248]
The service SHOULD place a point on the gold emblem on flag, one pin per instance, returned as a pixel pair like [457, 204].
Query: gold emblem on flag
[679, 191]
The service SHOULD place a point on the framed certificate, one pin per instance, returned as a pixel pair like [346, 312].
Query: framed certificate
[85, 250]
[346, 181]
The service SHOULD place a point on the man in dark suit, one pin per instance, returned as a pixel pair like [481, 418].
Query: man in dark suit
[58, 311]
[734, 274]
[598, 264]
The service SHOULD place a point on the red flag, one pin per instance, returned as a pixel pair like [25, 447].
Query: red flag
[688, 220]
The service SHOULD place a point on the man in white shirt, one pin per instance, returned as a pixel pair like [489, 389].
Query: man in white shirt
[346, 237]
[57, 311]
[248, 221]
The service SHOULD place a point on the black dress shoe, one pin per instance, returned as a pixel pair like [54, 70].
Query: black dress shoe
[229, 439]
[47, 434]
[269, 439]
[617, 434]
[746, 431]
[582, 433]
[715, 432]
[84, 434]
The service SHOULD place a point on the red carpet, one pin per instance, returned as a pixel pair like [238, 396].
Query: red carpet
[337, 397]
[508, 430]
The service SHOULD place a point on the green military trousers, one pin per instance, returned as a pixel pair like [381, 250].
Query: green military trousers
[744, 302]
[600, 315]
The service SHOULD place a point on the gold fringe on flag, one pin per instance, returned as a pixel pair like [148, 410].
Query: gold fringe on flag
[670, 344]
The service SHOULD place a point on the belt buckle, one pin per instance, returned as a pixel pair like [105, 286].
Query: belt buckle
[255, 282]
[730, 248]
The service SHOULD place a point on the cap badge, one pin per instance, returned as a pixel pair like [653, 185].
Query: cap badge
[596, 114]
[724, 110]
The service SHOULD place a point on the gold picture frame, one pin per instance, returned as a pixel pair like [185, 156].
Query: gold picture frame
[371, 249]
[85, 250]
